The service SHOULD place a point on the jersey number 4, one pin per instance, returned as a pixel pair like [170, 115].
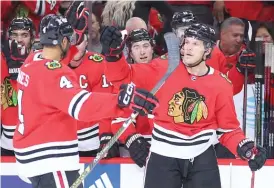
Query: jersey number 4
[64, 82]
[21, 127]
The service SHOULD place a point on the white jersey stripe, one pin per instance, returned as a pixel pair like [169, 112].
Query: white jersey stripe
[74, 100]
[56, 179]
[79, 106]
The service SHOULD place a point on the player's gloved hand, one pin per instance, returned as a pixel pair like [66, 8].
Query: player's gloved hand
[112, 43]
[18, 52]
[114, 150]
[77, 15]
[256, 156]
[15, 55]
[246, 61]
[137, 99]
[138, 149]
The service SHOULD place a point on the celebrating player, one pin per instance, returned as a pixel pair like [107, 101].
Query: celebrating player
[49, 96]
[21, 33]
[196, 102]
[140, 45]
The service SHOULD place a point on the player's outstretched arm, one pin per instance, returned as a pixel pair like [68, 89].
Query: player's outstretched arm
[233, 137]
[67, 96]
[118, 71]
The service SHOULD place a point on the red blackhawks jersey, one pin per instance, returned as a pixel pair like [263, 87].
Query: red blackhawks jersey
[9, 110]
[92, 78]
[192, 110]
[49, 97]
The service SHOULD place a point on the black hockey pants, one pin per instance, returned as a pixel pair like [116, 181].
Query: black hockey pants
[200, 172]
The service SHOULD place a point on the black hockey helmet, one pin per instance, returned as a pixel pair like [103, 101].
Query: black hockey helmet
[139, 35]
[22, 23]
[181, 19]
[202, 32]
[53, 29]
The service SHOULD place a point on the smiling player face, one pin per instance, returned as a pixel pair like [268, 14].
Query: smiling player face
[142, 52]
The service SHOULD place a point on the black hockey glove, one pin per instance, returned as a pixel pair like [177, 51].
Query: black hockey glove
[114, 150]
[136, 99]
[246, 61]
[77, 15]
[256, 156]
[15, 56]
[112, 43]
[138, 149]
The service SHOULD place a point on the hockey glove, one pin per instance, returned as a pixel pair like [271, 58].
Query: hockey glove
[246, 61]
[15, 56]
[114, 150]
[138, 149]
[256, 156]
[136, 99]
[112, 43]
[77, 15]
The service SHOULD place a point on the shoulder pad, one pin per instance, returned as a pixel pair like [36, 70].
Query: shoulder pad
[53, 65]
[96, 58]
[225, 77]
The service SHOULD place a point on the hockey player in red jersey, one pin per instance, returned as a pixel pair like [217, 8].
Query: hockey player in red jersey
[34, 9]
[49, 97]
[14, 51]
[181, 21]
[196, 102]
[89, 69]
[140, 45]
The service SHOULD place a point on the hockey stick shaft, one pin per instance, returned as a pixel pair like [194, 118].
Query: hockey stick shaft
[258, 99]
[173, 61]
[267, 102]
[245, 100]
[259, 80]
[271, 124]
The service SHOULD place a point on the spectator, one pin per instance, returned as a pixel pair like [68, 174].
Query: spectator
[94, 34]
[135, 23]
[264, 30]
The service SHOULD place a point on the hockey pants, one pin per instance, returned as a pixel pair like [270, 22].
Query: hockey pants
[166, 172]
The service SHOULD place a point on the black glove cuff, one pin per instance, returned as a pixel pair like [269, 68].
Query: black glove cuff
[113, 58]
[131, 139]
[245, 149]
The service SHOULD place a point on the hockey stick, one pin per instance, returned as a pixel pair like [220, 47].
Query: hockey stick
[258, 99]
[266, 144]
[259, 81]
[271, 124]
[173, 61]
[245, 100]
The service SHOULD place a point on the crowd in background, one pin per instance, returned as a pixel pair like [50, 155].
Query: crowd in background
[20, 35]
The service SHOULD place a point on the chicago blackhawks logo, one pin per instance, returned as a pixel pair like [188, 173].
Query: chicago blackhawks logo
[8, 94]
[187, 106]
[96, 57]
[53, 65]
